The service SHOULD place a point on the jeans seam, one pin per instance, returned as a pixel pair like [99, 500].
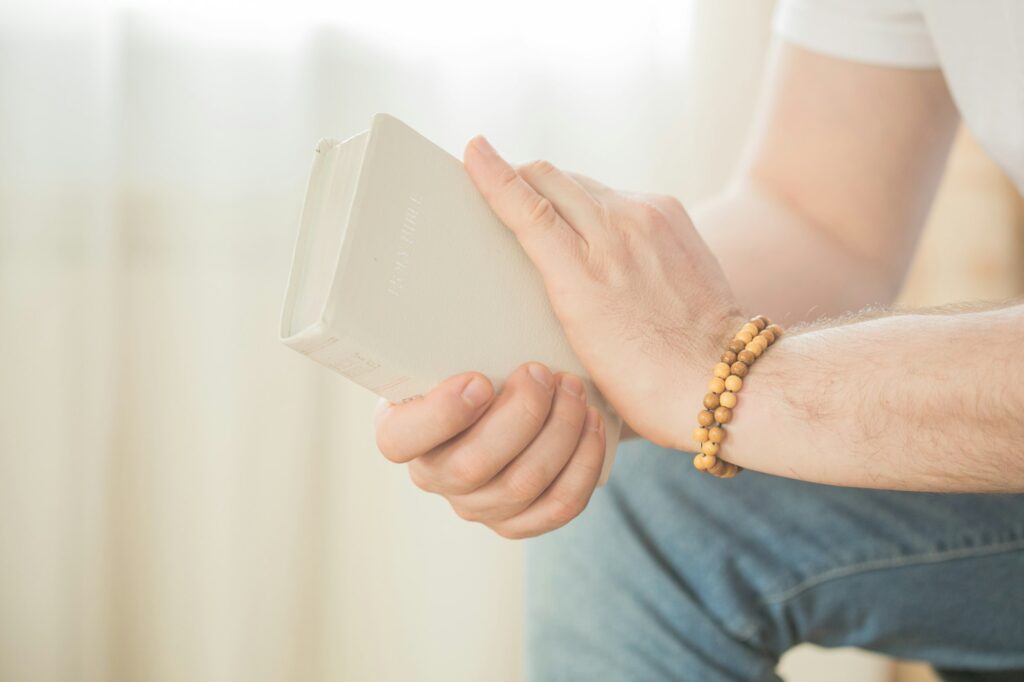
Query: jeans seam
[932, 557]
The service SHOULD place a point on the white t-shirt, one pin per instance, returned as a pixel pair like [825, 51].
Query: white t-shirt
[978, 44]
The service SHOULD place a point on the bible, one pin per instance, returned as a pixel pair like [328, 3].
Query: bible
[402, 275]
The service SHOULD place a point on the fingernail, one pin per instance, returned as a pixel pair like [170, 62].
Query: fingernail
[481, 143]
[572, 385]
[476, 392]
[541, 374]
[593, 421]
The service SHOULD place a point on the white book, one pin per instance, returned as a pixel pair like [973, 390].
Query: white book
[402, 275]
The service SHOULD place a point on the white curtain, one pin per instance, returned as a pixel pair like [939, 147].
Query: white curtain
[182, 497]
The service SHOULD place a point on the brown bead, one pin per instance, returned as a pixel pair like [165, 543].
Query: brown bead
[721, 370]
[776, 331]
[701, 434]
[722, 415]
[711, 401]
[704, 462]
[729, 470]
[716, 385]
[768, 336]
[746, 357]
[728, 357]
[744, 336]
[754, 348]
[727, 399]
[718, 467]
[740, 369]
[716, 434]
[736, 345]
[733, 383]
[705, 417]
[709, 448]
[751, 328]
[759, 321]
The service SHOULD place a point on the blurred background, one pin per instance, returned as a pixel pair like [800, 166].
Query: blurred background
[184, 498]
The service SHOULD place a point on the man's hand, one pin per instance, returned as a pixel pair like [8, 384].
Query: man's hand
[642, 300]
[523, 463]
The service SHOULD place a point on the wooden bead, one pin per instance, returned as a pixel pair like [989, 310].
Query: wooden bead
[768, 336]
[722, 370]
[754, 348]
[717, 468]
[740, 369]
[722, 415]
[736, 345]
[776, 331]
[705, 417]
[761, 341]
[711, 401]
[744, 336]
[704, 462]
[701, 434]
[716, 434]
[728, 357]
[709, 447]
[727, 399]
[759, 321]
[716, 385]
[746, 357]
[750, 327]
[733, 383]
[729, 470]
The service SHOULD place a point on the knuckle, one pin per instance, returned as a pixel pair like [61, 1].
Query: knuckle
[565, 508]
[419, 477]
[540, 167]
[533, 411]
[671, 204]
[652, 217]
[466, 512]
[523, 484]
[542, 212]
[508, 177]
[467, 473]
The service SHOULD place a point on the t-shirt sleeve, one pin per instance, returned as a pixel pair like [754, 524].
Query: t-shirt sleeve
[884, 32]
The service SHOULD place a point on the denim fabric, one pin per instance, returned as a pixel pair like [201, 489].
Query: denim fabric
[671, 574]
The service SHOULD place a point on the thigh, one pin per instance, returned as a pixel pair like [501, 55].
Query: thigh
[672, 574]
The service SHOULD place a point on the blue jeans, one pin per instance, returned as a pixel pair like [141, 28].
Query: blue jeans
[671, 574]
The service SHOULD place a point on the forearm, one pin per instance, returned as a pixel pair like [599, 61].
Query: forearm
[781, 265]
[906, 401]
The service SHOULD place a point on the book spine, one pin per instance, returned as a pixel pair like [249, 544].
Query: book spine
[351, 359]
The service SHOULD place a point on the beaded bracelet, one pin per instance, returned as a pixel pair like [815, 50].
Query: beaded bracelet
[746, 346]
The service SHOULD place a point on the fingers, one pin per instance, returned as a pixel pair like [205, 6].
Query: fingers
[530, 474]
[548, 240]
[572, 201]
[407, 430]
[568, 496]
[517, 415]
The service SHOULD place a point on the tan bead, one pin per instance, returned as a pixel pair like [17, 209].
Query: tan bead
[740, 369]
[701, 434]
[761, 341]
[776, 331]
[704, 462]
[705, 417]
[754, 348]
[727, 399]
[733, 383]
[736, 345]
[768, 336]
[709, 447]
[750, 327]
[711, 401]
[721, 370]
[716, 434]
[744, 336]
[728, 357]
[759, 321]
[722, 415]
[746, 357]
[716, 385]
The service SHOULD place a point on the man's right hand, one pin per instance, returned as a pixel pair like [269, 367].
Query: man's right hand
[523, 462]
